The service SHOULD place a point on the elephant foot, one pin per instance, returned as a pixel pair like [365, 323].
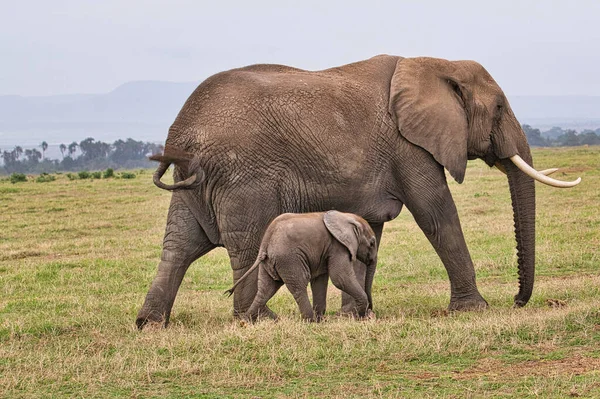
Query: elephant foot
[152, 318]
[245, 320]
[519, 303]
[366, 315]
[266, 312]
[348, 309]
[262, 316]
[262, 313]
[474, 302]
[347, 313]
[352, 312]
[370, 315]
[312, 319]
[250, 316]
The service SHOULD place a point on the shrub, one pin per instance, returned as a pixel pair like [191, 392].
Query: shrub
[84, 174]
[17, 177]
[45, 178]
[127, 175]
[71, 176]
[109, 173]
[96, 175]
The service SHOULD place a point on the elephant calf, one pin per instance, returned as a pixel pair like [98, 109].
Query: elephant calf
[298, 248]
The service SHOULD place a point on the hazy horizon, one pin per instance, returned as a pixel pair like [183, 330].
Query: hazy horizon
[96, 49]
[78, 47]
[198, 82]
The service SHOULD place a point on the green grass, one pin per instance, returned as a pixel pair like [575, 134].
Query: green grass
[77, 257]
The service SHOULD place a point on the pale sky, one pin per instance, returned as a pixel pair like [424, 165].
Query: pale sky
[86, 46]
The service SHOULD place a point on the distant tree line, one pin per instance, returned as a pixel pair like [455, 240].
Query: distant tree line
[557, 137]
[129, 154]
[94, 155]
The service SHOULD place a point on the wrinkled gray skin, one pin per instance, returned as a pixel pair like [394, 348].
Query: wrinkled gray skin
[364, 138]
[299, 248]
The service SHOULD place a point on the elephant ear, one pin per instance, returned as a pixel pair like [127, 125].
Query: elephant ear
[426, 97]
[344, 228]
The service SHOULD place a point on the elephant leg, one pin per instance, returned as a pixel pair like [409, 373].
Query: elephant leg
[183, 243]
[342, 276]
[295, 274]
[267, 287]
[433, 208]
[360, 271]
[318, 286]
[349, 305]
[241, 261]
[300, 294]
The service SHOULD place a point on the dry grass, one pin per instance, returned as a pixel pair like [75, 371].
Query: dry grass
[76, 259]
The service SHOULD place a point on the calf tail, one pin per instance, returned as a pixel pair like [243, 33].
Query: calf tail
[259, 259]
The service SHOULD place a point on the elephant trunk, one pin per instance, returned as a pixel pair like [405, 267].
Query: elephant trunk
[371, 266]
[522, 192]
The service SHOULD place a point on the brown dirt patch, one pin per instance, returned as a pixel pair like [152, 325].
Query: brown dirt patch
[496, 369]
[440, 313]
[556, 303]
[424, 376]
[21, 255]
[573, 169]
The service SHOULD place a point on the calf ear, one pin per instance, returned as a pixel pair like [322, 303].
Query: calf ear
[344, 229]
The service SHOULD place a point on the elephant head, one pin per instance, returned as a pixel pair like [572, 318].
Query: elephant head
[456, 111]
[358, 237]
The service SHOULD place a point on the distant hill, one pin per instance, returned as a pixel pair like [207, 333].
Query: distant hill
[144, 110]
[569, 112]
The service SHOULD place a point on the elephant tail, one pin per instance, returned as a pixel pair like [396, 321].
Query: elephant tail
[261, 256]
[188, 162]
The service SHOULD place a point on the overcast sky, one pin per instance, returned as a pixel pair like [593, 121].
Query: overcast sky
[85, 46]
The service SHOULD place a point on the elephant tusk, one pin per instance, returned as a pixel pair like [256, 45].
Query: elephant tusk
[541, 176]
[545, 172]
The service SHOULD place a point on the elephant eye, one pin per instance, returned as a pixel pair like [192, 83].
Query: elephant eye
[498, 111]
[456, 88]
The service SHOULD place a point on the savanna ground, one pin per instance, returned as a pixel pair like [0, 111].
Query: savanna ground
[77, 257]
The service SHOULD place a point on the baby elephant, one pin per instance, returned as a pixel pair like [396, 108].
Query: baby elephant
[298, 248]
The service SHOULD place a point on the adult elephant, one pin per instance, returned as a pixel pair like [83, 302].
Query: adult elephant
[365, 138]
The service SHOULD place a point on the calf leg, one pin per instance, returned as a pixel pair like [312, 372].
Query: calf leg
[318, 286]
[360, 270]
[267, 287]
[295, 274]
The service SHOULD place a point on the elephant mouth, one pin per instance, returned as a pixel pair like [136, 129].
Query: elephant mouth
[541, 176]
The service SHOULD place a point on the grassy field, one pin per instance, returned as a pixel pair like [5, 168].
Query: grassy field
[77, 257]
